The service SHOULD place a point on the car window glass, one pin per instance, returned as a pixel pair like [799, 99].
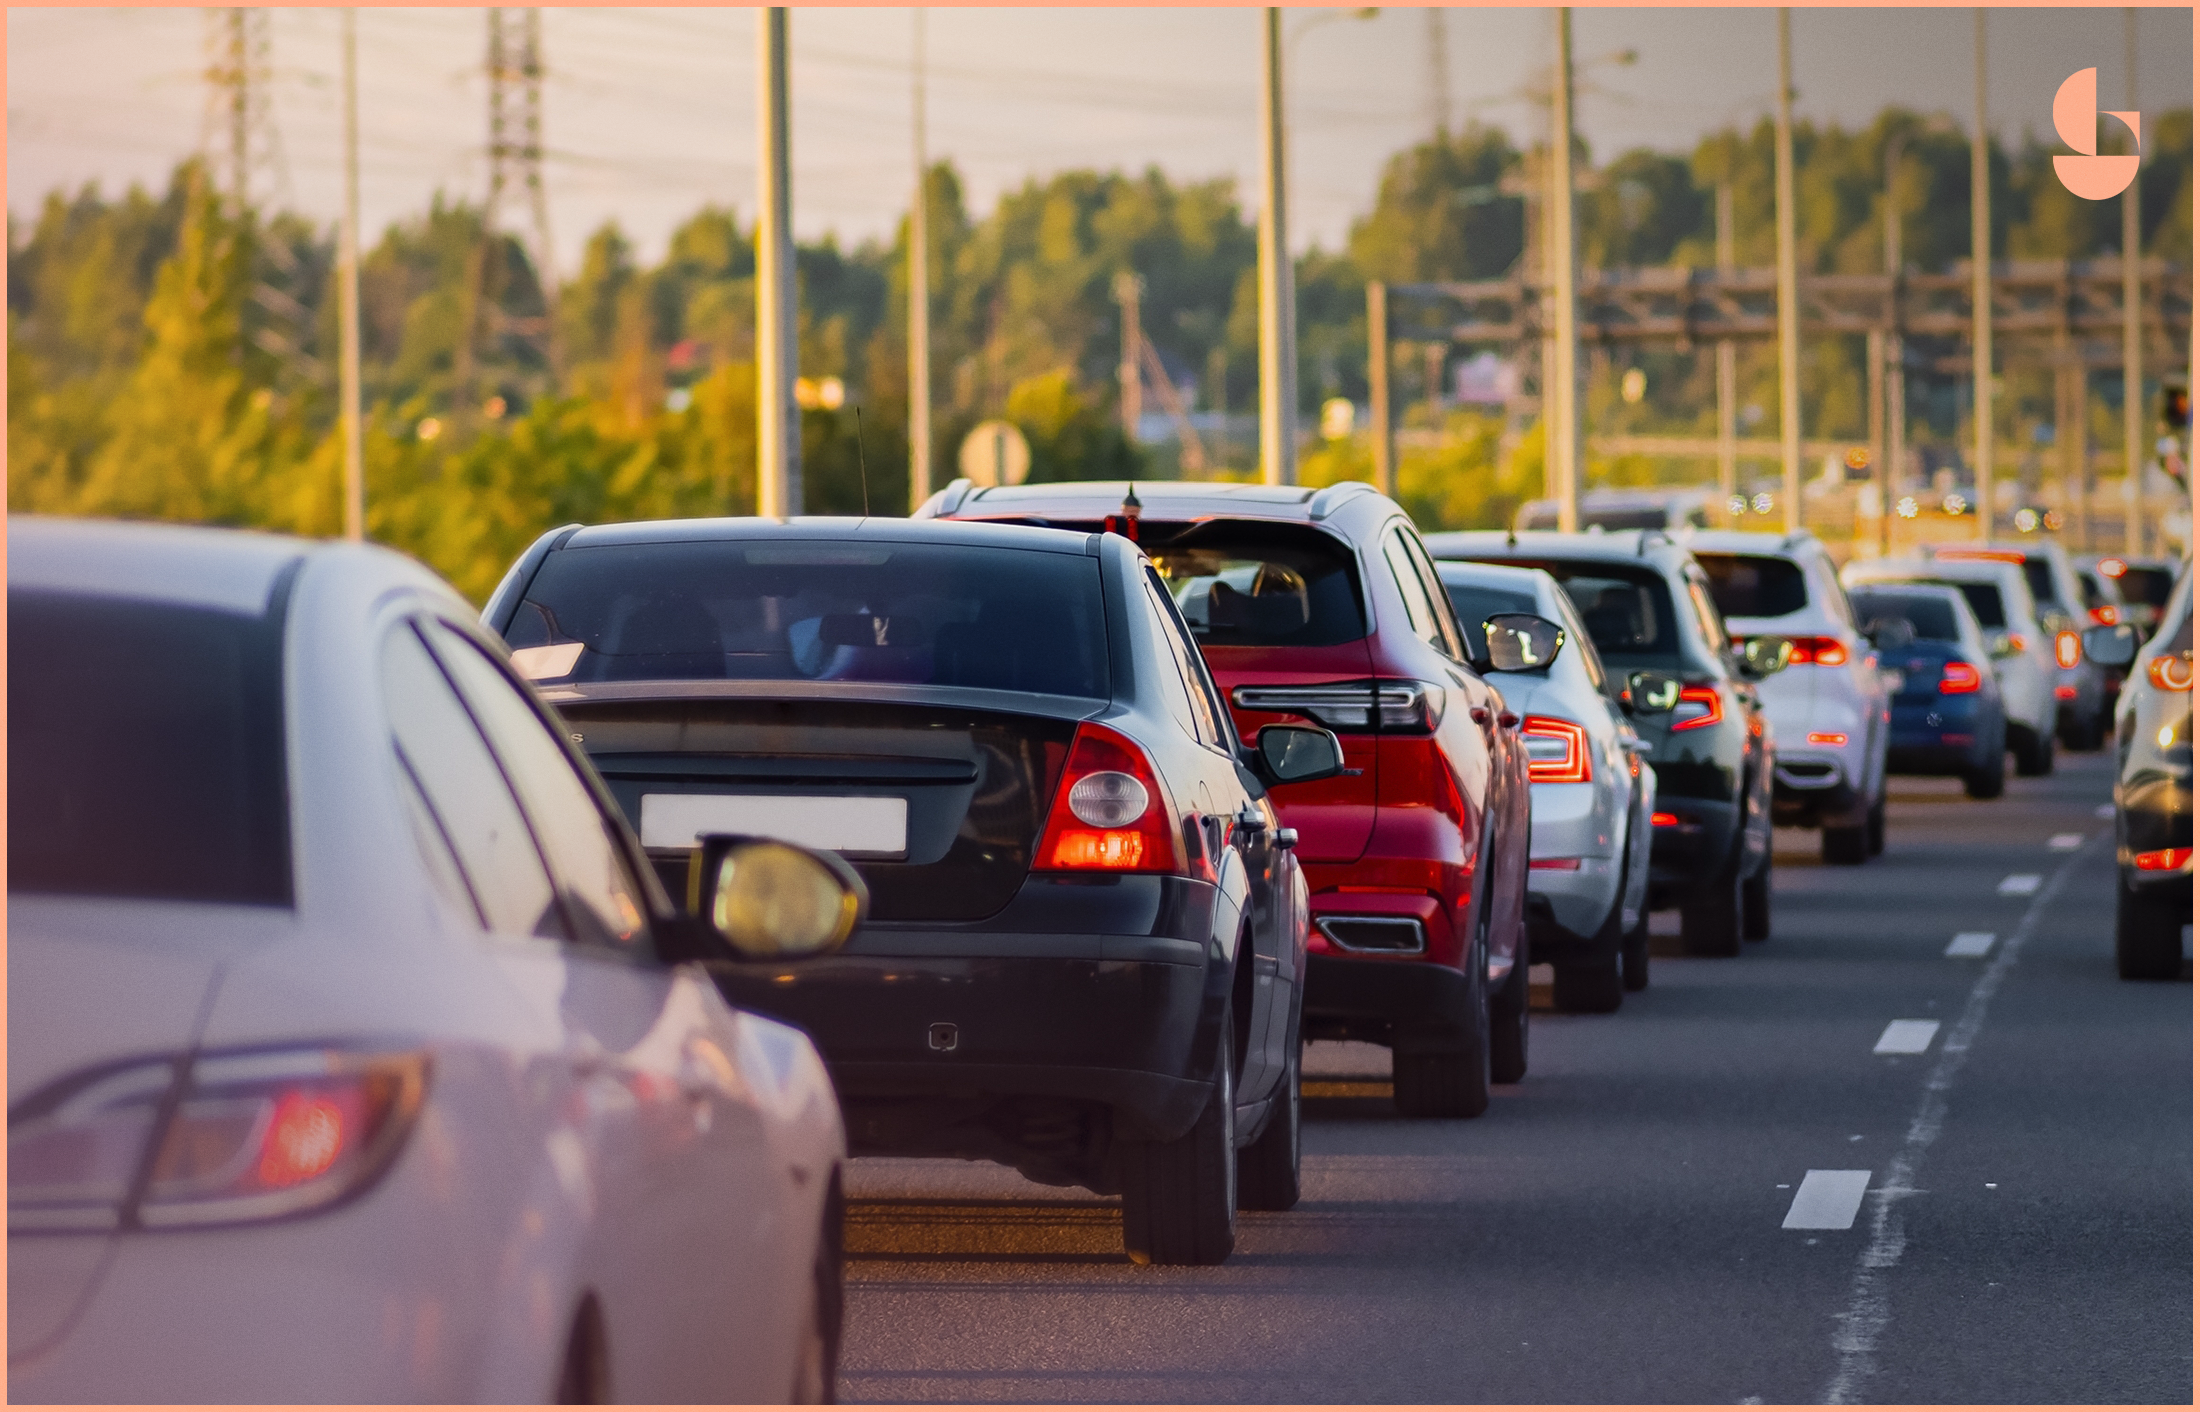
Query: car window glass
[1207, 703]
[1476, 604]
[1708, 623]
[1447, 622]
[1419, 612]
[435, 845]
[1755, 585]
[441, 748]
[600, 892]
[1185, 698]
[1829, 588]
[1577, 633]
[1242, 583]
[1931, 619]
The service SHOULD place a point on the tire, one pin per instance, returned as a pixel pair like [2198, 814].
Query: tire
[1988, 781]
[1268, 1167]
[584, 1370]
[1452, 1081]
[1711, 920]
[817, 1360]
[1180, 1197]
[1875, 826]
[2084, 733]
[2150, 944]
[1757, 903]
[1509, 1024]
[1634, 956]
[1845, 847]
[2035, 752]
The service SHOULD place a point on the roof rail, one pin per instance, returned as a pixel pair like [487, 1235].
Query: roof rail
[951, 499]
[1329, 497]
[1795, 537]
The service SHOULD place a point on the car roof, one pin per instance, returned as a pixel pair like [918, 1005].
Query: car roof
[1654, 547]
[227, 569]
[1773, 546]
[1994, 571]
[1497, 575]
[1169, 500]
[835, 527]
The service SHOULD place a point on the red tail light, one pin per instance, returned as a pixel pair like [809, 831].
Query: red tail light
[2066, 649]
[1828, 738]
[2066, 692]
[1819, 652]
[1110, 813]
[1555, 865]
[1391, 706]
[2163, 860]
[1665, 821]
[1698, 706]
[2107, 616]
[1959, 679]
[2171, 672]
[1558, 751]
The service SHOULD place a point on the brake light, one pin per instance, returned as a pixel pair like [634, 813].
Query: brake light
[1558, 750]
[1110, 813]
[2107, 615]
[1959, 679]
[1818, 652]
[248, 1137]
[1995, 556]
[1389, 706]
[1555, 865]
[1665, 821]
[1702, 705]
[2171, 672]
[2066, 692]
[2066, 649]
[1828, 738]
[2161, 860]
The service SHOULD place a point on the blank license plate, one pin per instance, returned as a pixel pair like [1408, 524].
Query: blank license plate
[857, 827]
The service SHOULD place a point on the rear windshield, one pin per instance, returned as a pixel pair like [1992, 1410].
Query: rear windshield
[2039, 576]
[809, 610]
[1932, 619]
[1628, 612]
[1476, 604]
[1985, 601]
[2150, 586]
[1245, 584]
[146, 755]
[1755, 585]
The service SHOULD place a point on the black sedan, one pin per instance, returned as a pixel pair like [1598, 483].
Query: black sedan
[2153, 788]
[1087, 942]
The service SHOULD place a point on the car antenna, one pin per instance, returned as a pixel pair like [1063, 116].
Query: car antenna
[862, 476]
[1131, 507]
[1512, 536]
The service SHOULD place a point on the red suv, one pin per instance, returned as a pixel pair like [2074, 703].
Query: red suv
[1323, 606]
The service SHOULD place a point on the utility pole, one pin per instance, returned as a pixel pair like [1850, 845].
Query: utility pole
[1561, 381]
[1790, 316]
[2134, 373]
[347, 295]
[1378, 385]
[1728, 481]
[1279, 373]
[920, 298]
[778, 424]
[1982, 292]
[1898, 403]
[1439, 76]
[1127, 286]
[538, 200]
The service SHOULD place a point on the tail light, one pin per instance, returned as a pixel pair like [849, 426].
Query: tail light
[1665, 821]
[2066, 649]
[1959, 679]
[1390, 706]
[2162, 860]
[1697, 707]
[1819, 651]
[2065, 692]
[1558, 751]
[1110, 813]
[2171, 672]
[1554, 865]
[1828, 738]
[214, 1140]
[2106, 615]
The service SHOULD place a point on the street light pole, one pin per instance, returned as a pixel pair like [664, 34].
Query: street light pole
[1561, 382]
[1982, 293]
[2134, 374]
[1279, 381]
[1789, 316]
[778, 423]
[1728, 480]
[1898, 404]
[920, 297]
[347, 297]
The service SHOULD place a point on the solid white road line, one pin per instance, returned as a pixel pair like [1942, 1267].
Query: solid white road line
[2019, 885]
[1970, 944]
[1826, 1201]
[2066, 843]
[1907, 1037]
[1857, 1329]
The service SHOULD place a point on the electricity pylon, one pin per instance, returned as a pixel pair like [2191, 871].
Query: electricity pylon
[514, 68]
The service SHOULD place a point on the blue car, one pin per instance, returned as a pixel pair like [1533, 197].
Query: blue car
[1947, 708]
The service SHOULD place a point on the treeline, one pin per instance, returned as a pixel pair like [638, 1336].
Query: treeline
[171, 357]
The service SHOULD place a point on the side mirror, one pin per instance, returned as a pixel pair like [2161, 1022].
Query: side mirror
[1296, 754]
[1651, 693]
[2116, 646]
[774, 901]
[1760, 657]
[1891, 634]
[2002, 643]
[1522, 642]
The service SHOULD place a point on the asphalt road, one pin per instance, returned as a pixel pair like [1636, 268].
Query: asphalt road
[1616, 1227]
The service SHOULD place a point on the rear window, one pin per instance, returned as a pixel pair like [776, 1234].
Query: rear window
[1628, 612]
[810, 610]
[1755, 585]
[147, 756]
[2039, 576]
[1932, 619]
[1244, 584]
[1475, 604]
[2149, 586]
[1985, 601]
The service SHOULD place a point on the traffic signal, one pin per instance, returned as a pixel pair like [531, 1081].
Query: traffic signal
[2176, 408]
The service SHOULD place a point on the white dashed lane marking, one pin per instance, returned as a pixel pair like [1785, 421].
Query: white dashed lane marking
[2019, 885]
[1907, 1037]
[1826, 1201]
[1970, 944]
[2106, 811]
[2066, 843]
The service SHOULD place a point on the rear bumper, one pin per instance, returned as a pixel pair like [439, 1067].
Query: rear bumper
[1813, 794]
[1688, 854]
[1412, 1004]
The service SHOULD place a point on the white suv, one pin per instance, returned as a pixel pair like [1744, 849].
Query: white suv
[1829, 710]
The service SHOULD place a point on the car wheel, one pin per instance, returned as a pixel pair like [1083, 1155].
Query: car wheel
[817, 1358]
[1509, 1022]
[2150, 943]
[1268, 1168]
[1757, 903]
[1180, 1197]
[1875, 826]
[1987, 781]
[2035, 752]
[1451, 1078]
[1634, 955]
[1845, 846]
[584, 1373]
[1711, 919]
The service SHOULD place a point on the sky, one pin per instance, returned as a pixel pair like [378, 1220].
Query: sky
[650, 114]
